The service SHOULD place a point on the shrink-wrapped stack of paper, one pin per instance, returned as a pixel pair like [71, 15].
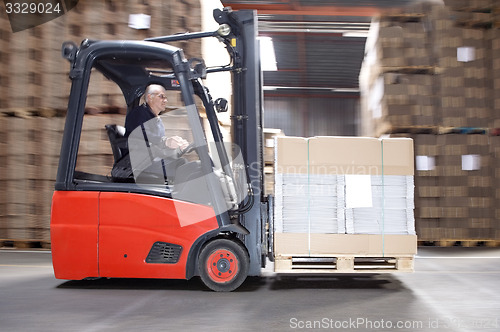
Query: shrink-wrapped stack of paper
[352, 185]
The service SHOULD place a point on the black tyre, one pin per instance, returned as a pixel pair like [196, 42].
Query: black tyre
[223, 265]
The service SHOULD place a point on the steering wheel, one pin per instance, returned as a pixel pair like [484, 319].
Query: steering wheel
[188, 149]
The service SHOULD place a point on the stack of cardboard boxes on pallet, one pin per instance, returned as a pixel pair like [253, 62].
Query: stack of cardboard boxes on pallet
[339, 200]
[495, 122]
[447, 105]
[34, 90]
[269, 147]
[454, 194]
[35, 75]
[29, 151]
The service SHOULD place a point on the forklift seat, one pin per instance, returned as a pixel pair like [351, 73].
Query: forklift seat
[116, 135]
[122, 169]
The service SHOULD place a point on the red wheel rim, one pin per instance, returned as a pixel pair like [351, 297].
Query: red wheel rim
[222, 265]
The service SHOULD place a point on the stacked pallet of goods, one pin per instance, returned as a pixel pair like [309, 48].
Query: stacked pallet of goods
[34, 90]
[344, 199]
[268, 144]
[495, 121]
[447, 105]
[29, 152]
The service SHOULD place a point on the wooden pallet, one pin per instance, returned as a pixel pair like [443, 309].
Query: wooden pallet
[460, 243]
[31, 112]
[343, 264]
[389, 129]
[427, 70]
[474, 8]
[463, 130]
[485, 23]
[404, 17]
[107, 109]
[24, 244]
[28, 112]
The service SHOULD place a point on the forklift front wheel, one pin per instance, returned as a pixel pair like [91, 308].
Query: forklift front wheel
[223, 265]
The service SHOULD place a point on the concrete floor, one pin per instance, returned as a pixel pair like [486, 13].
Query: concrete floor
[453, 289]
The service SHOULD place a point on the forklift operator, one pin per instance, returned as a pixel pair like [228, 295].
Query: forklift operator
[155, 102]
[143, 124]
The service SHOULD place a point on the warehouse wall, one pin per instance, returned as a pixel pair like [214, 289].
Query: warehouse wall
[319, 116]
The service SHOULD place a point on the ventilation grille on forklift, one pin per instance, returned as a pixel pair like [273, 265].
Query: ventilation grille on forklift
[163, 252]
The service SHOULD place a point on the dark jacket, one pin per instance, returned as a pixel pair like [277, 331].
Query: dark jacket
[140, 115]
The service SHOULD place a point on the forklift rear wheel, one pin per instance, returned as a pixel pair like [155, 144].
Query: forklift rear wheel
[223, 265]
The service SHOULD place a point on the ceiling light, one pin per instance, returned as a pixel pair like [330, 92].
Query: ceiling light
[267, 55]
[359, 34]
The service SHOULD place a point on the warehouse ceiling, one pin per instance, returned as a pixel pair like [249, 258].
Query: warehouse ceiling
[319, 44]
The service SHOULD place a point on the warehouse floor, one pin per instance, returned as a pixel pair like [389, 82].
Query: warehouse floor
[453, 289]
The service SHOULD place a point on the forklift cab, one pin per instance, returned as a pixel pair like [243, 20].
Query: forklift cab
[132, 220]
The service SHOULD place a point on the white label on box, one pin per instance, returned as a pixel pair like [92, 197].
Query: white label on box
[466, 54]
[139, 21]
[471, 162]
[425, 163]
[270, 143]
[358, 191]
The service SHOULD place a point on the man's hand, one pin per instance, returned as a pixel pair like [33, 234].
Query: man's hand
[176, 142]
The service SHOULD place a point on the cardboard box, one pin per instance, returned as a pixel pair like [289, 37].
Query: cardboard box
[359, 245]
[344, 155]
[291, 155]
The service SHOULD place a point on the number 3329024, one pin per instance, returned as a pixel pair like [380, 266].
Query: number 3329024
[32, 8]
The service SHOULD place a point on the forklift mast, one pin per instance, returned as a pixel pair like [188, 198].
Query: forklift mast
[247, 125]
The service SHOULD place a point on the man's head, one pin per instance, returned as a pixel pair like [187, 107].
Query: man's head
[156, 98]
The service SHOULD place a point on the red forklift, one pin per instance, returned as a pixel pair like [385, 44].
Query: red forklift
[209, 217]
